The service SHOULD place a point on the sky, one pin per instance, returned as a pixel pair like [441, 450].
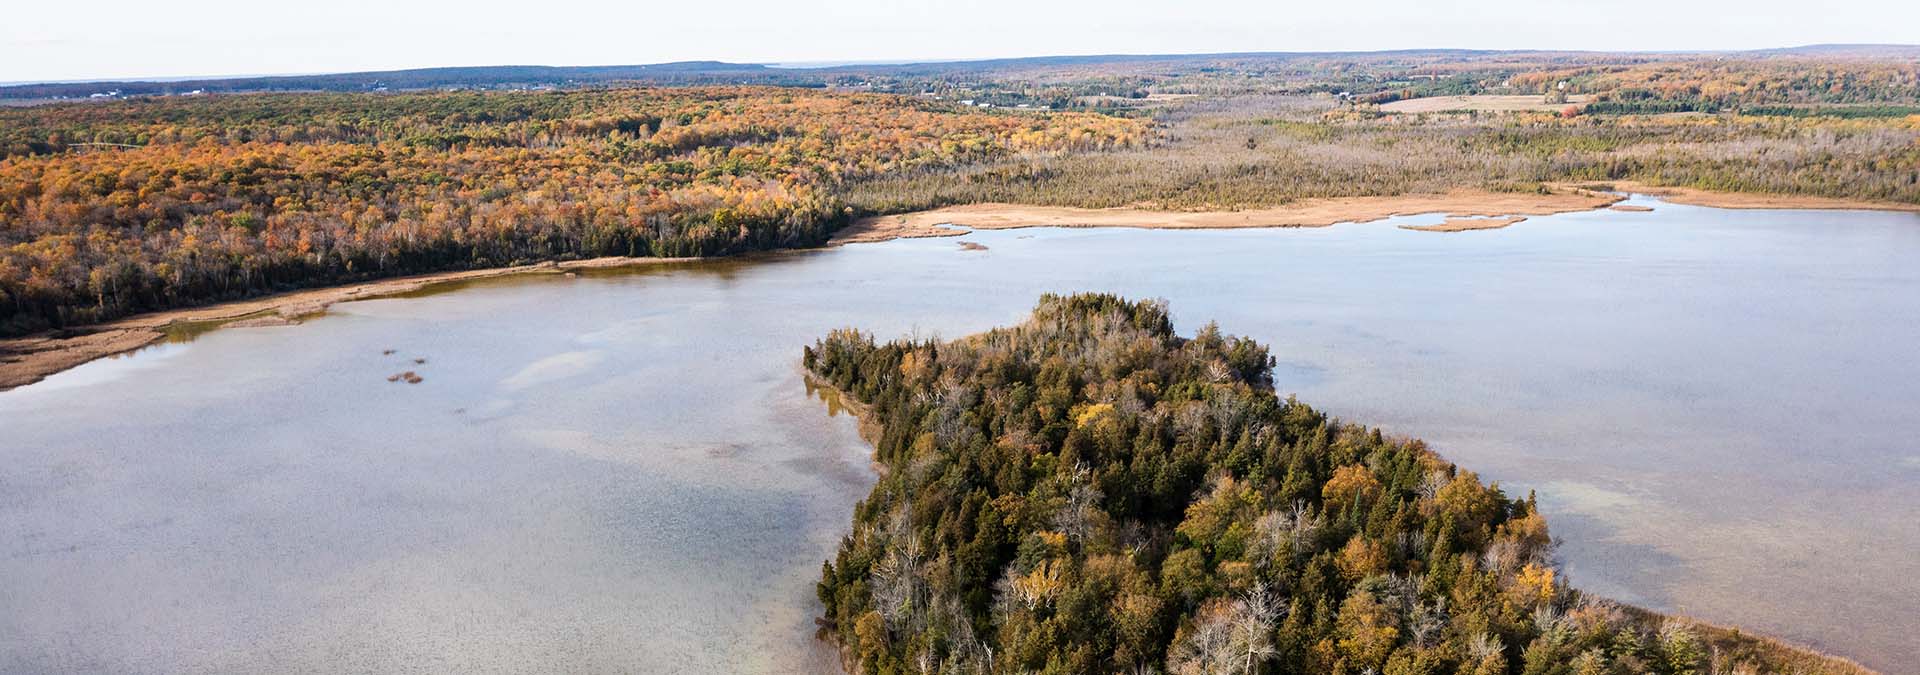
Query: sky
[45, 40]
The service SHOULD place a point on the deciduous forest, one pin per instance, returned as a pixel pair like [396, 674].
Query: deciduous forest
[150, 204]
[1089, 492]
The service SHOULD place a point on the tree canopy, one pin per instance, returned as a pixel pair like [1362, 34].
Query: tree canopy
[131, 206]
[1089, 492]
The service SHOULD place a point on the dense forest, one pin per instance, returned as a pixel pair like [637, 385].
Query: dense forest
[111, 209]
[1088, 492]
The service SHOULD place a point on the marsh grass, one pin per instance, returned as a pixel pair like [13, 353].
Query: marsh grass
[1258, 151]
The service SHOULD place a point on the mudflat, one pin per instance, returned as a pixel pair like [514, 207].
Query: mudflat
[1466, 224]
[1302, 213]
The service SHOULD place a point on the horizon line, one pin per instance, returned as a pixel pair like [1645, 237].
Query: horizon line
[827, 64]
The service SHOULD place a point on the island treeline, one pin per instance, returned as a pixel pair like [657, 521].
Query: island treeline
[1088, 492]
[111, 209]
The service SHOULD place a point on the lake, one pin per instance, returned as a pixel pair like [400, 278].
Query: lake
[623, 470]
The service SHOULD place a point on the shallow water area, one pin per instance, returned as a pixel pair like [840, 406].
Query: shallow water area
[623, 470]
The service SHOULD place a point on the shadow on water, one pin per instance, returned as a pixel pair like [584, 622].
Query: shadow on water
[179, 332]
[1599, 544]
[726, 269]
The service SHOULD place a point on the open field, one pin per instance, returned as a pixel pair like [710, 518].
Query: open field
[1264, 151]
[1481, 103]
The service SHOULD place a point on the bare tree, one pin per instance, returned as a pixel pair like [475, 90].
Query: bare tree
[1253, 625]
[1229, 638]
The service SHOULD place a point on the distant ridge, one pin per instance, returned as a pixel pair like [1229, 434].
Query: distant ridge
[680, 72]
[722, 72]
[1864, 50]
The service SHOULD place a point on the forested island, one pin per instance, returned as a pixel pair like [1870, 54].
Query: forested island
[1089, 492]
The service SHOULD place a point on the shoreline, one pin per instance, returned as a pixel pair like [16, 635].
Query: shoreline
[1318, 212]
[31, 358]
[1743, 200]
[28, 359]
[1465, 209]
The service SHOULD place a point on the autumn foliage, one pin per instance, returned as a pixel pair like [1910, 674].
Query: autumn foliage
[123, 207]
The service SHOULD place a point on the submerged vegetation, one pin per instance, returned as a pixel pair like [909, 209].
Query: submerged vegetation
[1088, 492]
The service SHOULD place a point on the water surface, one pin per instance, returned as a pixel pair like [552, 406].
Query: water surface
[624, 471]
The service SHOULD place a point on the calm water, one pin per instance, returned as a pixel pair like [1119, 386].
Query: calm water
[624, 471]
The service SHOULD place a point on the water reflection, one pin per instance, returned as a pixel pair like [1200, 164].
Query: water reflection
[624, 470]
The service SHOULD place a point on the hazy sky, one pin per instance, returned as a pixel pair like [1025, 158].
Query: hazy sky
[92, 39]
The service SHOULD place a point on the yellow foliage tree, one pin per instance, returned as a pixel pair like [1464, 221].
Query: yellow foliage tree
[1350, 484]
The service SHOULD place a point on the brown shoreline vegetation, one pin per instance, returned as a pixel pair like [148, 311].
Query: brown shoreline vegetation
[1751, 200]
[29, 359]
[1465, 209]
[1322, 212]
